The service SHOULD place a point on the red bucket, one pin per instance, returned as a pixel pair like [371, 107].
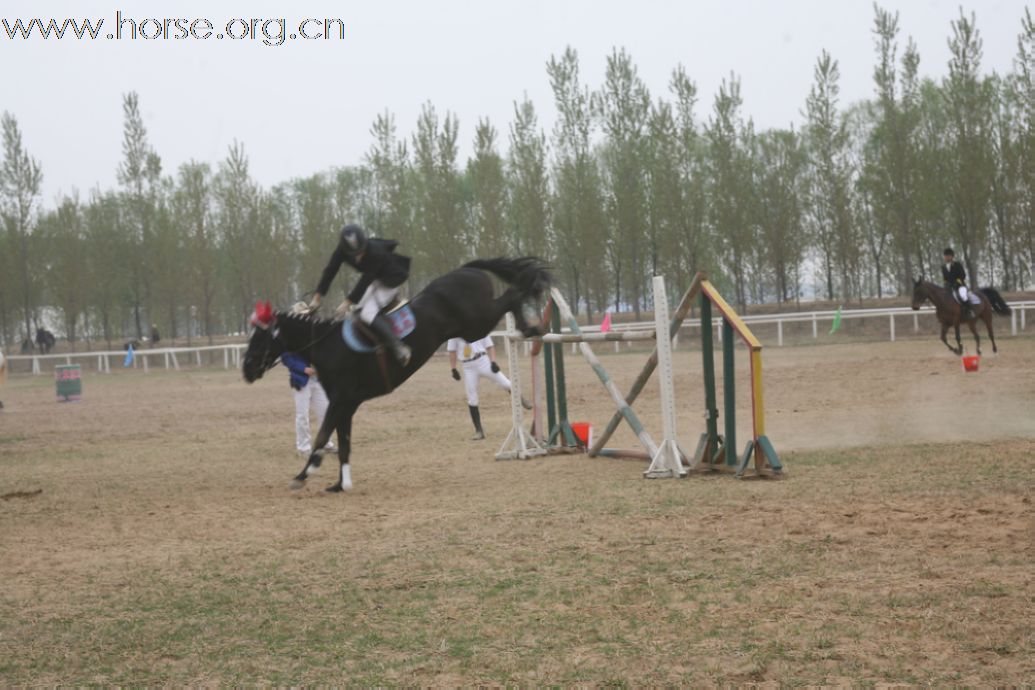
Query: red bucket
[583, 432]
[970, 362]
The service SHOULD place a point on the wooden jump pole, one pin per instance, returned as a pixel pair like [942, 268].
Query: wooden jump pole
[648, 369]
[562, 433]
[587, 352]
[668, 462]
[519, 444]
[716, 452]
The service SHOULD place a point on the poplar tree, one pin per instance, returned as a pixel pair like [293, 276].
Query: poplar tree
[830, 199]
[138, 174]
[623, 107]
[892, 167]
[192, 204]
[577, 204]
[527, 183]
[488, 193]
[968, 100]
[67, 277]
[20, 181]
[441, 244]
[729, 184]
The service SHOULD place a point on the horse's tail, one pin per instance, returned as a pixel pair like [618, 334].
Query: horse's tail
[527, 274]
[999, 305]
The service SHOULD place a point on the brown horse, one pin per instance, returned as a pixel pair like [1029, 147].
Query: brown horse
[950, 312]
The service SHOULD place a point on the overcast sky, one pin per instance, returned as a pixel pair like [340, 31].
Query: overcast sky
[304, 106]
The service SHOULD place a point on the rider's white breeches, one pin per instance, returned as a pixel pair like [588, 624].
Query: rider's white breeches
[377, 297]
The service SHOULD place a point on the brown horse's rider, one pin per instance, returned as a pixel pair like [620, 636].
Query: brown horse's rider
[956, 281]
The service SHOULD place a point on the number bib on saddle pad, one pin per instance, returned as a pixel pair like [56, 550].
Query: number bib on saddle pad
[402, 320]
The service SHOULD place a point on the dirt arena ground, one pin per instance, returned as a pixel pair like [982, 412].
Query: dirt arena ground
[148, 535]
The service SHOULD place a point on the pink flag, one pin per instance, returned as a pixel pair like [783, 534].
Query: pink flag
[605, 325]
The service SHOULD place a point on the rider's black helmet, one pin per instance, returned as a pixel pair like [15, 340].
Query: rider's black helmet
[948, 252]
[353, 240]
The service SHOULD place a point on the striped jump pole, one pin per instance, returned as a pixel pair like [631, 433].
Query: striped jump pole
[668, 461]
[587, 352]
[519, 444]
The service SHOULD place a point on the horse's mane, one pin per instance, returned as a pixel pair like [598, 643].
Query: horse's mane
[313, 322]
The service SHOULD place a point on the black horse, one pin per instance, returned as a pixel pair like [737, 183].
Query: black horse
[949, 312]
[461, 304]
[45, 340]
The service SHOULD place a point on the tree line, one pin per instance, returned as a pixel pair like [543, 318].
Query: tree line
[856, 201]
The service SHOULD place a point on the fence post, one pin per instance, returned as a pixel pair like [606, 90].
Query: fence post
[779, 333]
[815, 328]
[892, 318]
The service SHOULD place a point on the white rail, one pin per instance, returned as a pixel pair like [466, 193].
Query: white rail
[141, 358]
[643, 330]
[1018, 320]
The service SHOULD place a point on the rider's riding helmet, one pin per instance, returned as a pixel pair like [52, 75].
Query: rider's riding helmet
[353, 240]
[948, 252]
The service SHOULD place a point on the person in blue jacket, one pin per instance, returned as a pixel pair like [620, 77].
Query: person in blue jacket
[309, 395]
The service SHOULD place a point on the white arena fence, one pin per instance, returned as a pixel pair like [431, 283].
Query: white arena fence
[175, 357]
[146, 359]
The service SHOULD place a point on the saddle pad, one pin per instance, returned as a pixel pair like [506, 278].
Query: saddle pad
[403, 322]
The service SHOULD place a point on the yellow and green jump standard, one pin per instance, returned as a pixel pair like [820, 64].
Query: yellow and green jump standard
[714, 451]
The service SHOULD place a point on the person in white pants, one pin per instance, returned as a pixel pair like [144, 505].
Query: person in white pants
[479, 360]
[309, 395]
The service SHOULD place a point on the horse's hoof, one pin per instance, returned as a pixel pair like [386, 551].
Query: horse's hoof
[297, 484]
[336, 489]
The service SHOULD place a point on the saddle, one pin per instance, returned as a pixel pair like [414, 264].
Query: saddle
[358, 336]
[973, 298]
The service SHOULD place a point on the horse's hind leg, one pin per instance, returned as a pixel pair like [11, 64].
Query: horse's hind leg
[344, 482]
[991, 335]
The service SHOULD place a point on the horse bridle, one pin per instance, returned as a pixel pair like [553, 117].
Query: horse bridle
[313, 340]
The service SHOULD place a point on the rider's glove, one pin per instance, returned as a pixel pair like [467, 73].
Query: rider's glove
[456, 375]
[343, 309]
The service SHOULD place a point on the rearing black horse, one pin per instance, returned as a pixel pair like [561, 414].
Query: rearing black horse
[460, 304]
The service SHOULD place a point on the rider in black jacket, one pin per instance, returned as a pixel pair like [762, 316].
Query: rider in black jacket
[956, 280]
[383, 272]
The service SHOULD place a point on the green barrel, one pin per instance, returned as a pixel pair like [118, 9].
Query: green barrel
[69, 382]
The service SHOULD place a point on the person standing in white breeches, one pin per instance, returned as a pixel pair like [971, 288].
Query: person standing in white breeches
[309, 396]
[479, 361]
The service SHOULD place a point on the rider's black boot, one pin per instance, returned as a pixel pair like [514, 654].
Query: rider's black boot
[383, 328]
